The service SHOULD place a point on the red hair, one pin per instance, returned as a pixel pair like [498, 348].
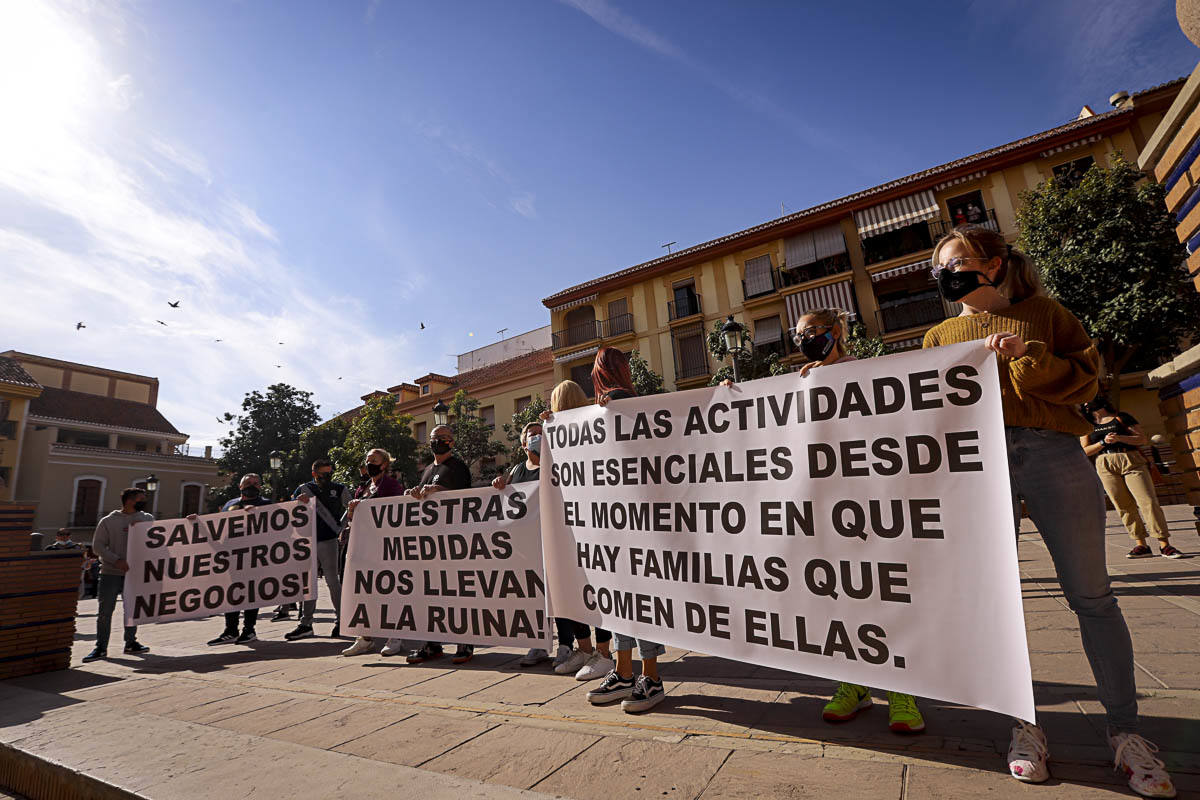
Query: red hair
[611, 372]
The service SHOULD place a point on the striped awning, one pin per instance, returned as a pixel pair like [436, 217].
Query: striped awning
[876, 277]
[591, 351]
[574, 303]
[896, 214]
[1070, 145]
[974, 176]
[834, 295]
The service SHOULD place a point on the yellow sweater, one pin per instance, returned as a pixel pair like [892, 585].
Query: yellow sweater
[1044, 387]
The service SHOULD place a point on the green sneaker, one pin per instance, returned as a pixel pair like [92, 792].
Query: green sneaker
[848, 700]
[903, 714]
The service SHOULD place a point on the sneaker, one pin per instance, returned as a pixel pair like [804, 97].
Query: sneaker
[227, 637]
[1141, 551]
[428, 652]
[394, 647]
[574, 662]
[611, 689]
[1169, 551]
[136, 648]
[1028, 753]
[847, 701]
[301, 631]
[596, 666]
[647, 693]
[534, 657]
[362, 644]
[1147, 775]
[95, 655]
[903, 714]
[247, 636]
[463, 654]
[561, 655]
[281, 614]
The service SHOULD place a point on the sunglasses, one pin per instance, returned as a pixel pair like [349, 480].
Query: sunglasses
[953, 264]
[809, 332]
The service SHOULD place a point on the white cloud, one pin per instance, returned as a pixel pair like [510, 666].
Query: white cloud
[121, 93]
[523, 204]
[183, 158]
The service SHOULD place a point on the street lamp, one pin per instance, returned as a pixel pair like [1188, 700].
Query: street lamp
[152, 483]
[276, 460]
[441, 413]
[732, 331]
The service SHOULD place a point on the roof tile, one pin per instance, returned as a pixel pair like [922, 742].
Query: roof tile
[93, 408]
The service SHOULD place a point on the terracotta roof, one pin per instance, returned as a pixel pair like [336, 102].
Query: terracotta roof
[848, 201]
[81, 407]
[412, 387]
[14, 373]
[534, 361]
[433, 376]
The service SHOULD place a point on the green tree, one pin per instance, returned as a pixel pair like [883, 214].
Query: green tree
[473, 437]
[645, 380]
[512, 430]
[377, 425]
[316, 442]
[1107, 250]
[862, 345]
[270, 420]
[752, 363]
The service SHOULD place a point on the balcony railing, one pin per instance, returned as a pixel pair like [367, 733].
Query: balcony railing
[691, 352]
[940, 227]
[615, 326]
[833, 265]
[8, 429]
[595, 329]
[911, 313]
[685, 308]
[917, 237]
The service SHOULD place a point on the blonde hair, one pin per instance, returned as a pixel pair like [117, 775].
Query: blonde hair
[387, 457]
[567, 395]
[834, 318]
[1018, 277]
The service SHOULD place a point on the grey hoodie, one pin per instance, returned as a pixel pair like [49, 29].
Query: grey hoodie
[111, 541]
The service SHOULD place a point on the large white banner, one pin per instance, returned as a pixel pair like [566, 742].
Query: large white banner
[461, 567]
[231, 561]
[854, 524]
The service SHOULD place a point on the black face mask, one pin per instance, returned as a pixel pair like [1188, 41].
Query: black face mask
[954, 286]
[817, 348]
[140, 505]
[324, 480]
[439, 447]
[374, 469]
[250, 491]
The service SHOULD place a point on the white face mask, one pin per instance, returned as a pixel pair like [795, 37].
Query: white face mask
[534, 443]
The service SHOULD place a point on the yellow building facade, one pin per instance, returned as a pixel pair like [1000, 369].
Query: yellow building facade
[17, 388]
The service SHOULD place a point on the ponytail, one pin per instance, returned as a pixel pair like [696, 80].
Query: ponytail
[1018, 277]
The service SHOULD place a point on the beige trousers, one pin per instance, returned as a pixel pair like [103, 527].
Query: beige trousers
[1127, 481]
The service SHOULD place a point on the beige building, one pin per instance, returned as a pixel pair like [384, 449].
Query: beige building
[17, 388]
[90, 432]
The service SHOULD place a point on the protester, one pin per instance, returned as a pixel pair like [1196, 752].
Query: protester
[62, 541]
[91, 573]
[1125, 475]
[111, 542]
[447, 472]
[584, 661]
[380, 484]
[1048, 367]
[525, 472]
[331, 501]
[249, 496]
[612, 381]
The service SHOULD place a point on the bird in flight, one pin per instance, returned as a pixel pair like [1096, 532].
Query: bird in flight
[279, 366]
[339, 377]
[175, 304]
[216, 340]
[160, 322]
[79, 325]
[281, 342]
[422, 326]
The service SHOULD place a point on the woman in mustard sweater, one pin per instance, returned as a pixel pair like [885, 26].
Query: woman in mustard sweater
[1048, 367]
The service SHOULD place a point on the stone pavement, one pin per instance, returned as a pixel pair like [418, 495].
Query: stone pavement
[278, 718]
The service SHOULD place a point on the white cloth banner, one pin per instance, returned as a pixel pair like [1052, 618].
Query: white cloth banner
[462, 567]
[854, 524]
[229, 561]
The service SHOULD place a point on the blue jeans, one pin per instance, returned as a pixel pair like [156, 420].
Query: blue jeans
[110, 587]
[1062, 492]
[645, 649]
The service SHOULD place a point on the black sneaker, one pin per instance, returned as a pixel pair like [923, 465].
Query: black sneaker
[95, 655]
[427, 653]
[136, 648]
[463, 654]
[247, 636]
[611, 689]
[228, 637]
[647, 693]
[281, 614]
[1141, 551]
[301, 631]
[1169, 551]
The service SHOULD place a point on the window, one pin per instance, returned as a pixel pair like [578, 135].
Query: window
[89, 491]
[421, 432]
[488, 415]
[425, 388]
[893, 244]
[768, 336]
[619, 319]
[86, 438]
[5, 406]
[189, 499]
[967, 209]
[815, 254]
[759, 278]
[582, 374]
[691, 352]
[1071, 172]
[581, 325]
[521, 404]
[686, 301]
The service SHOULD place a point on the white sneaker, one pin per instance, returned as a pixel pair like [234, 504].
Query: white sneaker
[1147, 774]
[596, 666]
[534, 657]
[561, 657]
[394, 647]
[361, 645]
[572, 663]
[1027, 754]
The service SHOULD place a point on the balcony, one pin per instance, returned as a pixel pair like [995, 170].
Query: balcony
[593, 329]
[691, 352]
[904, 314]
[617, 326]
[940, 227]
[681, 309]
[833, 265]
[916, 237]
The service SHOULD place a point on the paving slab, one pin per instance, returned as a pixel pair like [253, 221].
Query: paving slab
[499, 755]
[930, 783]
[750, 776]
[342, 725]
[416, 739]
[616, 767]
[279, 716]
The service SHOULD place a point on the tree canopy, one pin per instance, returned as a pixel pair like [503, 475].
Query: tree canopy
[377, 425]
[473, 436]
[645, 380]
[512, 430]
[752, 361]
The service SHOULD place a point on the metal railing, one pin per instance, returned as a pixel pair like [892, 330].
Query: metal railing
[918, 236]
[576, 334]
[833, 265]
[940, 227]
[911, 313]
[687, 308]
[691, 352]
[615, 326]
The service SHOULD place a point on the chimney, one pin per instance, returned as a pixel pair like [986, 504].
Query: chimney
[208, 451]
[1121, 100]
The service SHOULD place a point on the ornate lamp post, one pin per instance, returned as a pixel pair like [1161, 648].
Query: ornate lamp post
[732, 331]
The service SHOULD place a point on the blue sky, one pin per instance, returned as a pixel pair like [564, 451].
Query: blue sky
[329, 175]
